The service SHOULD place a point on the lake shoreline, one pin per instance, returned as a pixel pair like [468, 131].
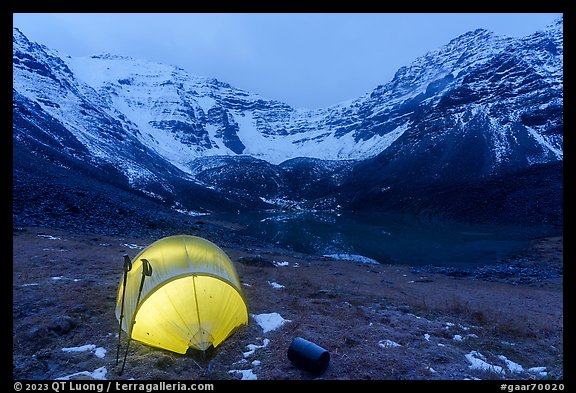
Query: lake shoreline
[523, 268]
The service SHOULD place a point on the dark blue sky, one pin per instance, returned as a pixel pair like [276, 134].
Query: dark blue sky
[305, 60]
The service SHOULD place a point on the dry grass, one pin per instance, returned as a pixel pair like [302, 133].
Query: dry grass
[351, 309]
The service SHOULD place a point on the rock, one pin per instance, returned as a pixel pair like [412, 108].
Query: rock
[62, 325]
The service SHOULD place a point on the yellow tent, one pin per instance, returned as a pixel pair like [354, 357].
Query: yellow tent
[191, 299]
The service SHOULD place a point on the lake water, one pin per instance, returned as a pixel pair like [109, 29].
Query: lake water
[390, 238]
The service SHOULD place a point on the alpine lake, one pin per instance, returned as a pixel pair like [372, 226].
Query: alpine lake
[389, 238]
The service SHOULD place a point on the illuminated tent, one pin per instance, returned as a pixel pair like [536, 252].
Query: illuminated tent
[190, 297]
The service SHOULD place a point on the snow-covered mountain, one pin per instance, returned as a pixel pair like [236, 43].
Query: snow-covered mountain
[182, 117]
[478, 108]
[492, 106]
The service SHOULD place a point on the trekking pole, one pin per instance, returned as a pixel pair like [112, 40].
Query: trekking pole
[146, 271]
[127, 268]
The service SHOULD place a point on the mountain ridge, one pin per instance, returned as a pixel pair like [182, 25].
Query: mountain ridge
[479, 108]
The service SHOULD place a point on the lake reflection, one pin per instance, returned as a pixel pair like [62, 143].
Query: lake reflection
[390, 238]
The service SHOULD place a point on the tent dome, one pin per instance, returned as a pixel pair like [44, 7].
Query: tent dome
[192, 299]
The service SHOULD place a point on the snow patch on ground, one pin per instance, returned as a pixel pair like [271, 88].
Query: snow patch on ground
[284, 264]
[249, 374]
[246, 374]
[132, 246]
[269, 322]
[275, 285]
[57, 278]
[253, 347]
[478, 362]
[541, 371]
[50, 237]
[352, 257]
[98, 351]
[388, 344]
[99, 373]
[191, 212]
[512, 366]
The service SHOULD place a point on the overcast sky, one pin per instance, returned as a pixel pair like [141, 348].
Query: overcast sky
[305, 60]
